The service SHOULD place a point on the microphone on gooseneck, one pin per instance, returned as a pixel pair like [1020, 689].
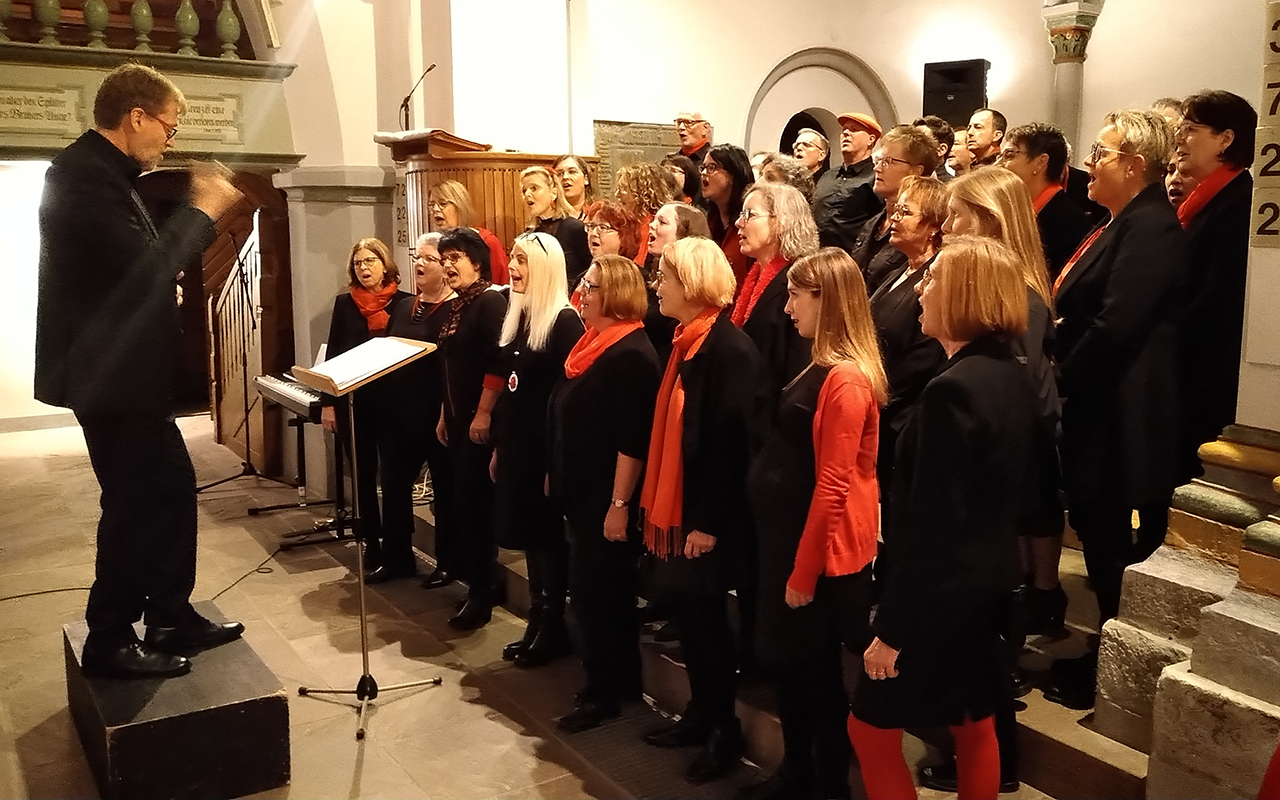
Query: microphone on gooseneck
[404, 104]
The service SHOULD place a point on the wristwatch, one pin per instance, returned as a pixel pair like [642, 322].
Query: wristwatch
[616, 503]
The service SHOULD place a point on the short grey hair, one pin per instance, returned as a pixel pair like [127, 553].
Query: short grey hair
[792, 219]
[431, 239]
[1147, 134]
[822, 140]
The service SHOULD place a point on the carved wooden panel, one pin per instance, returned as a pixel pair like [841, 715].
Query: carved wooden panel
[619, 144]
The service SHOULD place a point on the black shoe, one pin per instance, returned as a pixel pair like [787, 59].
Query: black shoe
[514, 649]
[669, 632]
[551, 642]
[1018, 682]
[677, 734]
[387, 572]
[587, 715]
[473, 615]
[197, 633]
[1074, 682]
[942, 778]
[1048, 611]
[785, 784]
[436, 578]
[131, 660]
[719, 756]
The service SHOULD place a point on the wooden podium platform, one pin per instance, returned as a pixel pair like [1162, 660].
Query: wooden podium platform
[220, 731]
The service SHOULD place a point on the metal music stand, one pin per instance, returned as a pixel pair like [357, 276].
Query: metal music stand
[366, 690]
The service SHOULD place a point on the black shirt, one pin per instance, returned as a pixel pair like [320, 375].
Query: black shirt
[415, 389]
[470, 354]
[572, 236]
[843, 202]
[876, 257]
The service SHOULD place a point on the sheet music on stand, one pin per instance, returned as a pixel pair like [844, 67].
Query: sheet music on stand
[344, 373]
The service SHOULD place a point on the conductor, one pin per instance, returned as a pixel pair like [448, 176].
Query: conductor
[107, 331]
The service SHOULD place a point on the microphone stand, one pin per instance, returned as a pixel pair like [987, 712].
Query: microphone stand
[404, 104]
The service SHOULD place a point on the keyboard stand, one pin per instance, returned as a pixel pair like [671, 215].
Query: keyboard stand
[341, 526]
[298, 423]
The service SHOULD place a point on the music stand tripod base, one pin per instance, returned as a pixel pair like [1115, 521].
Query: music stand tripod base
[367, 687]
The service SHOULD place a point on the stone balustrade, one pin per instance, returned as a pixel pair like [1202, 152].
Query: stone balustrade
[99, 25]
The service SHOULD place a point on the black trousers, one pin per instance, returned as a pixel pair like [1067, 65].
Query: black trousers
[473, 513]
[400, 470]
[1110, 544]
[376, 439]
[146, 559]
[707, 642]
[603, 578]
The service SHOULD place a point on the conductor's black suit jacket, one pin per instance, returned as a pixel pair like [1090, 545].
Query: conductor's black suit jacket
[107, 322]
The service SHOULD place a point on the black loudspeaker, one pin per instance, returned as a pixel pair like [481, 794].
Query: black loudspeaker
[953, 90]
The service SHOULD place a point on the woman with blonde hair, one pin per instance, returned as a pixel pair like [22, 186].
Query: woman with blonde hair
[577, 181]
[708, 419]
[550, 213]
[815, 500]
[960, 485]
[451, 207]
[538, 332]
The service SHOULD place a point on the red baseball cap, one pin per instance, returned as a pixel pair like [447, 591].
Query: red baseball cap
[864, 121]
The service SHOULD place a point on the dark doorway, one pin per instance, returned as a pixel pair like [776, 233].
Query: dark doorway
[800, 120]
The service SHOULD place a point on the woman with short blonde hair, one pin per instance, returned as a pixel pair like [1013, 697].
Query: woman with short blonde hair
[621, 288]
[451, 207]
[814, 497]
[538, 332]
[550, 213]
[935, 658]
[702, 270]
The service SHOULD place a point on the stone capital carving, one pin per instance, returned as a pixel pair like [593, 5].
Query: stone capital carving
[1070, 26]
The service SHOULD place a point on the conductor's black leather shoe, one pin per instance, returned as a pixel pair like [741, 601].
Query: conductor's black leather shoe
[436, 578]
[131, 660]
[720, 755]
[587, 715]
[195, 634]
[389, 572]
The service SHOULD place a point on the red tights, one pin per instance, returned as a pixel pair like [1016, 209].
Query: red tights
[1270, 789]
[885, 773]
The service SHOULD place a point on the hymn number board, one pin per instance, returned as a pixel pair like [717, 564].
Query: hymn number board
[1265, 228]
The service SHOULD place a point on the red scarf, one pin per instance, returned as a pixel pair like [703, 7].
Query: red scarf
[644, 240]
[373, 305]
[1079, 253]
[662, 498]
[1041, 200]
[593, 344]
[757, 280]
[1206, 191]
[693, 148]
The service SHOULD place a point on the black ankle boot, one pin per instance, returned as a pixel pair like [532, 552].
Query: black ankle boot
[551, 642]
[1047, 612]
[514, 649]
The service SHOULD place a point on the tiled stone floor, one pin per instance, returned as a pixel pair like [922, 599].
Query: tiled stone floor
[486, 732]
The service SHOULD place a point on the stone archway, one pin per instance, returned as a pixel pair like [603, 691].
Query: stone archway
[854, 69]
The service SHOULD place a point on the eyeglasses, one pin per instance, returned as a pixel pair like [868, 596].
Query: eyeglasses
[432, 259]
[451, 258]
[657, 279]
[1008, 155]
[925, 279]
[600, 226]
[532, 237]
[806, 145]
[749, 214]
[1185, 127]
[886, 161]
[685, 122]
[569, 172]
[586, 287]
[169, 131]
[708, 168]
[1095, 152]
[901, 211]
[366, 262]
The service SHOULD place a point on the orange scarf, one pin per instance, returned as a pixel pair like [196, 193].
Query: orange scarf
[644, 240]
[593, 343]
[373, 305]
[1080, 251]
[1041, 200]
[1200, 196]
[662, 498]
[757, 280]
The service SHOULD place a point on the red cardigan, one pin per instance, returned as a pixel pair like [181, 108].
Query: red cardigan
[844, 516]
[497, 257]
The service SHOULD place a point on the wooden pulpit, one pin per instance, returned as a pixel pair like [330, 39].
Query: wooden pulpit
[423, 158]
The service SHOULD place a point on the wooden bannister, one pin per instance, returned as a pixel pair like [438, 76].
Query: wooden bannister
[210, 28]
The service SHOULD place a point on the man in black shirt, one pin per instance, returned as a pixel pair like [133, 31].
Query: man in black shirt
[843, 200]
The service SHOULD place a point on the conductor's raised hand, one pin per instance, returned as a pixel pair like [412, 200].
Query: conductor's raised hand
[211, 189]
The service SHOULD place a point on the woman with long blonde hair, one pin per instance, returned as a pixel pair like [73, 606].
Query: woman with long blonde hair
[815, 498]
[537, 334]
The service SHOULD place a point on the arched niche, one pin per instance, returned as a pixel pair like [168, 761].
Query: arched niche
[848, 67]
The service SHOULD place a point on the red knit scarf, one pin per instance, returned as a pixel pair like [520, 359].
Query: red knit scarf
[662, 498]
[757, 280]
[373, 305]
[1041, 200]
[1200, 196]
[593, 344]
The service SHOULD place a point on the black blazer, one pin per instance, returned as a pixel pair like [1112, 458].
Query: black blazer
[911, 358]
[348, 330]
[1077, 189]
[1044, 482]
[784, 351]
[1117, 357]
[875, 256]
[592, 418]
[725, 420]
[415, 390]
[1063, 226]
[1212, 329]
[470, 354]
[572, 236]
[107, 323]
[958, 497]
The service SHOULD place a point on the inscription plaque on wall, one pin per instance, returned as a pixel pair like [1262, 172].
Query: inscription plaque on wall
[212, 119]
[48, 111]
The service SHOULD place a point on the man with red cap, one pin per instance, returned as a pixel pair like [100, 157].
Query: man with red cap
[843, 199]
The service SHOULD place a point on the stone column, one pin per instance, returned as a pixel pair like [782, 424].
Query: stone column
[1070, 26]
[329, 209]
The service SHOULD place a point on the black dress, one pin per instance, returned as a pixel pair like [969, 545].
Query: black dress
[524, 516]
[606, 410]
[961, 476]
[572, 236]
